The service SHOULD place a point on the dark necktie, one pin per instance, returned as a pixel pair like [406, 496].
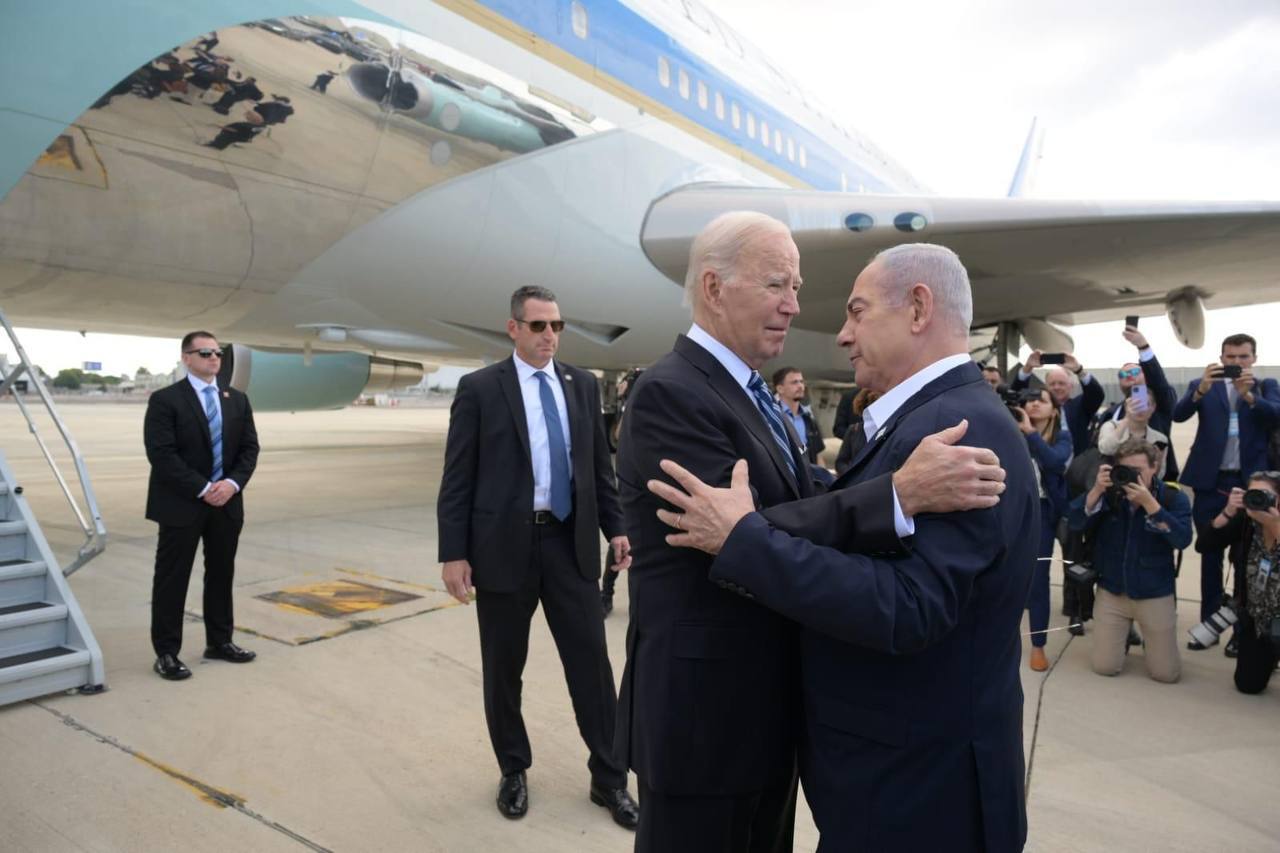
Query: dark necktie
[773, 417]
[561, 497]
[212, 412]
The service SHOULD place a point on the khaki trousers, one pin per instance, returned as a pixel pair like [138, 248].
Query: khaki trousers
[1157, 620]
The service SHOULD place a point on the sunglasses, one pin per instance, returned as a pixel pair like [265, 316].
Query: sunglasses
[204, 352]
[540, 326]
[1130, 373]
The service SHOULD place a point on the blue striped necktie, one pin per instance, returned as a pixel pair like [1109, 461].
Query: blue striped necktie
[773, 417]
[561, 496]
[214, 415]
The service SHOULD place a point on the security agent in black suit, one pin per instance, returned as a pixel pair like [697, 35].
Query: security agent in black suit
[528, 486]
[203, 448]
[912, 697]
[708, 714]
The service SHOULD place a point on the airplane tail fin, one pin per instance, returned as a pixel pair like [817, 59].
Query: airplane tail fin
[1025, 177]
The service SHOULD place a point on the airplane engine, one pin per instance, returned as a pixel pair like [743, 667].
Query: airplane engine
[290, 381]
[1045, 337]
[1186, 316]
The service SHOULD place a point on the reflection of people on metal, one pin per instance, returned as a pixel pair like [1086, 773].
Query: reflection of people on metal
[321, 83]
[163, 74]
[236, 92]
[209, 42]
[258, 119]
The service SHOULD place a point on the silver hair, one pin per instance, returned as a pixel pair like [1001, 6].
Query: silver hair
[720, 244]
[936, 267]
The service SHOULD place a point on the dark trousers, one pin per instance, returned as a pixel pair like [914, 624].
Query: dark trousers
[1256, 659]
[572, 607]
[608, 578]
[1038, 595]
[175, 553]
[1207, 504]
[761, 822]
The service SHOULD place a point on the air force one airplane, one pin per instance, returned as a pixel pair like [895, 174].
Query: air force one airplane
[350, 189]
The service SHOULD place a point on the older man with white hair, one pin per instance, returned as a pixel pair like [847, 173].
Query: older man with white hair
[910, 660]
[708, 712]
[1077, 409]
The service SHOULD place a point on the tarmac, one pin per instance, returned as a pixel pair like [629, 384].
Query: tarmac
[363, 729]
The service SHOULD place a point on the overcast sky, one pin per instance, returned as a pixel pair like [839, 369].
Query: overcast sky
[1170, 99]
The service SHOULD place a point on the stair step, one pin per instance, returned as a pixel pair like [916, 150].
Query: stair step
[12, 528]
[24, 607]
[31, 613]
[14, 569]
[44, 671]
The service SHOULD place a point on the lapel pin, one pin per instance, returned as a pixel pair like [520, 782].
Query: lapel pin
[879, 435]
[568, 378]
[226, 395]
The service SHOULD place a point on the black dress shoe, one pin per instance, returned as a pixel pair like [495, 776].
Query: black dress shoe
[619, 803]
[1232, 649]
[513, 795]
[1134, 638]
[1076, 629]
[229, 652]
[170, 668]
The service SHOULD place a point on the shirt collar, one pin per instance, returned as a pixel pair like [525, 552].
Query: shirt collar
[199, 384]
[525, 370]
[878, 413]
[729, 360]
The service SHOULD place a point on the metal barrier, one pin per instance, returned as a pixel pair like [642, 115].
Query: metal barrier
[94, 530]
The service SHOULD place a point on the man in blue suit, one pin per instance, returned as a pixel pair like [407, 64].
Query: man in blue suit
[1236, 414]
[912, 701]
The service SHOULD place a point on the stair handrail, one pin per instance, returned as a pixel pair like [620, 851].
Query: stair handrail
[93, 528]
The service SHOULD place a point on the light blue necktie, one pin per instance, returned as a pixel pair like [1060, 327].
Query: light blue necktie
[773, 417]
[561, 497]
[212, 412]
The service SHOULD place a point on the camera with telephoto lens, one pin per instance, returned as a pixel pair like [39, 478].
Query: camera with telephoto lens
[1015, 400]
[1207, 632]
[1123, 475]
[1259, 500]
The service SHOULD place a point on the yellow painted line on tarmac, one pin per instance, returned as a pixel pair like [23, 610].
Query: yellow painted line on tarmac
[377, 577]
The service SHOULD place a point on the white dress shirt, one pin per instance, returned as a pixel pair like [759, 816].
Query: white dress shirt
[539, 442]
[878, 414]
[199, 384]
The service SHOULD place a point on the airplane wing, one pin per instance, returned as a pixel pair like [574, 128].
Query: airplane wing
[1066, 261]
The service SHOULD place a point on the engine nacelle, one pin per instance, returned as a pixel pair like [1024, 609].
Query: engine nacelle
[1045, 337]
[1186, 316]
[290, 381]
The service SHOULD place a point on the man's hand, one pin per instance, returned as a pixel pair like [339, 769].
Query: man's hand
[621, 553]
[1033, 361]
[1135, 337]
[219, 493]
[941, 477]
[457, 579]
[1211, 374]
[710, 514]
[1244, 385]
[1140, 496]
[1070, 362]
[1101, 483]
[1235, 502]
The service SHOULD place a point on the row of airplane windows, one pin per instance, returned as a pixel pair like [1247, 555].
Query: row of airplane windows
[685, 86]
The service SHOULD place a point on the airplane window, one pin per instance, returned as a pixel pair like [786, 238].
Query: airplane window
[684, 84]
[719, 106]
[702, 94]
[664, 72]
[764, 132]
[737, 116]
[804, 161]
[777, 141]
[579, 15]
[791, 149]
[751, 126]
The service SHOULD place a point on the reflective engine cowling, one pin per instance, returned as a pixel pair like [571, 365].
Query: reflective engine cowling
[290, 381]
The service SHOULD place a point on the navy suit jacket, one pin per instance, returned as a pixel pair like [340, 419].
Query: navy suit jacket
[910, 662]
[1256, 423]
[1078, 411]
[709, 703]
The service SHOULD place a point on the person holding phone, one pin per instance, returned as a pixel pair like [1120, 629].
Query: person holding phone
[1040, 421]
[1147, 373]
[1077, 410]
[1235, 414]
[1135, 423]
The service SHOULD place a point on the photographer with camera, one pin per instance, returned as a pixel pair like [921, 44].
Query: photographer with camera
[1250, 526]
[1138, 522]
[1235, 413]
[1077, 410]
[1050, 445]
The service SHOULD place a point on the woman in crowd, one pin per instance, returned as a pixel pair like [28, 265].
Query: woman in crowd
[1050, 446]
[1253, 536]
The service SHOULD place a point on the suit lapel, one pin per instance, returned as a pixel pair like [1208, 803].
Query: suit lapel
[197, 407]
[579, 428]
[737, 400]
[510, 383]
[953, 378]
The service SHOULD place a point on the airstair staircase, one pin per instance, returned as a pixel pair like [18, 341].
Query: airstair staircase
[46, 645]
